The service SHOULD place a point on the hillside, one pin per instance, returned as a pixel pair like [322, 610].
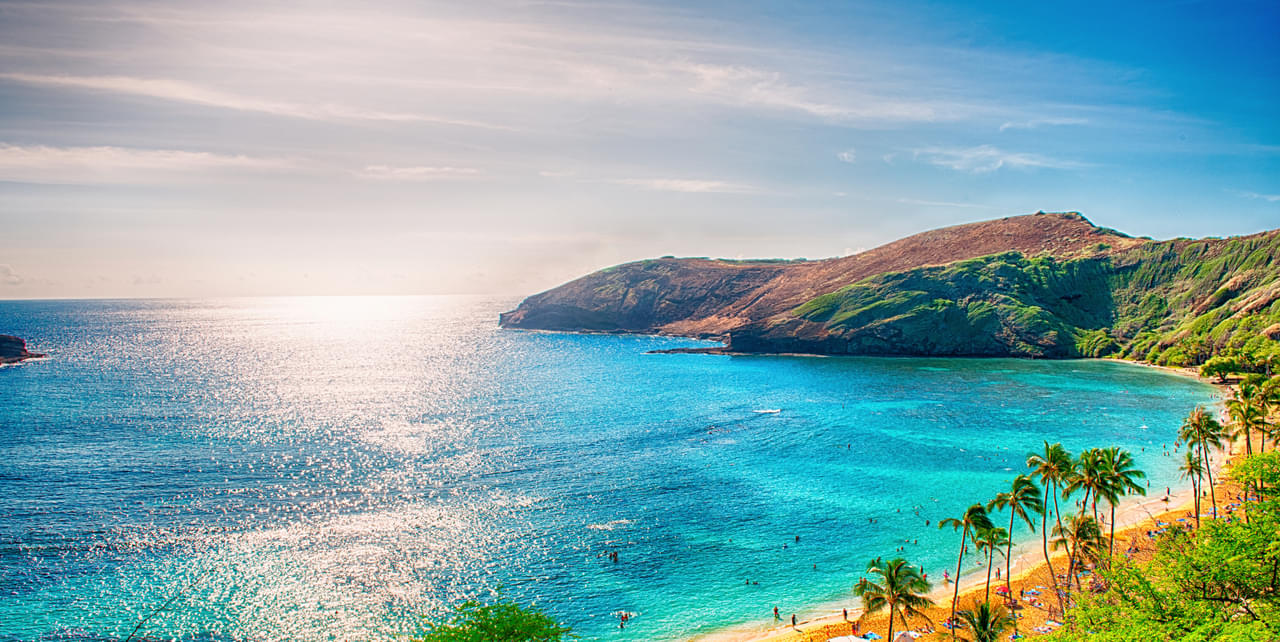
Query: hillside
[1042, 285]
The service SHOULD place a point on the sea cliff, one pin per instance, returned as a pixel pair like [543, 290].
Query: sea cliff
[1041, 285]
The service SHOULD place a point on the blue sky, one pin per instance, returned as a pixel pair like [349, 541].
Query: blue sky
[229, 148]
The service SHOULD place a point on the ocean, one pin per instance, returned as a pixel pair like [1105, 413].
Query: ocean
[336, 468]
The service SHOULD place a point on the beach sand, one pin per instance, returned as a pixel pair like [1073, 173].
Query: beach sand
[1133, 520]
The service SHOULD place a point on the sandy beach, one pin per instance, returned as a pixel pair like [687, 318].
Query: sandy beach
[1134, 518]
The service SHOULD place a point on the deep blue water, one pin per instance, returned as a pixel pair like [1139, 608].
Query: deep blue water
[333, 468]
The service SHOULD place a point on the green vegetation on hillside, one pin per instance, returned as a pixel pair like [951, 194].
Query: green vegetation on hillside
[1031, 306]
[1176, 303]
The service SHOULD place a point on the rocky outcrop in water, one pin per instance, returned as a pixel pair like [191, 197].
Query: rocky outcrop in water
[14, 349]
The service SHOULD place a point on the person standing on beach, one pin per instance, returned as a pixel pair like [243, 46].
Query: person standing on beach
[775, 614]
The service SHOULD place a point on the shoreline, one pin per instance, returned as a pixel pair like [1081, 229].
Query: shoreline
[827, 619]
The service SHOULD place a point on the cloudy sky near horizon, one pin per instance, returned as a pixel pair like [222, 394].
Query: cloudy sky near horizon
[245, 148]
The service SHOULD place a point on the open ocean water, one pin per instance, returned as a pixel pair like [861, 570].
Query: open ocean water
[336, 468]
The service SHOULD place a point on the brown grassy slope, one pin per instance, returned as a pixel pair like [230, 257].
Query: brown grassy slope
[708, 298]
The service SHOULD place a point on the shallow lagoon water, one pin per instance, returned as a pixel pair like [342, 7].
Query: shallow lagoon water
[335, 468]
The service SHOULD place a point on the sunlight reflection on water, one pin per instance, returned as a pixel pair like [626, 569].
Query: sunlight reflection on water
[332, 468]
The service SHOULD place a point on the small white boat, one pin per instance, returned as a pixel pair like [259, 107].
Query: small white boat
[768, 411]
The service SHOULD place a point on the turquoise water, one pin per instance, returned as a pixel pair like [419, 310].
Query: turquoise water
[332, 468]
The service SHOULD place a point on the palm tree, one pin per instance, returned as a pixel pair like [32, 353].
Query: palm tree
[901, 590]
[987, 621]
[1121, 479]
[1269, 396]
[1053, 466]
[991, 540]
[1023, 500]
[1191, 469]
[1089, 476]
[1246, 413]
[974, 518]
[1202, 431]
[1082, 537]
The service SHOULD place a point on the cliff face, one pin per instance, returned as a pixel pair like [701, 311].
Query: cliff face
[710, 298]
[13, 349]
[1044, 285]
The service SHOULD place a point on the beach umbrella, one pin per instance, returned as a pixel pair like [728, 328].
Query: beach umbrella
[1002, 590]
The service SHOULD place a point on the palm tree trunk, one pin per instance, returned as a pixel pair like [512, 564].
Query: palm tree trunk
[1208, 469]
[964, 538]
[1111, 546]
[890, 636]
[1195, 489]
[1008, 567]
[986, 597]
[1044, 541]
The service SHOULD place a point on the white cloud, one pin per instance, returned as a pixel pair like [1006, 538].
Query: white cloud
[847, 156]
[1270, 198]
[1038, 122]
[416, 174]
[9, 276]
[186, 92]
[986, 158]
[686, 185]
[44, 164]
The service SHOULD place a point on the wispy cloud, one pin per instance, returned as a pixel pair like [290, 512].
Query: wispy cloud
[847, 156]
[1270, 198]
[686, 185]
[44, 164]
[987, 158]
[768, 88]
[1041, 122]
[416, 174]
[9, 276]
[185, 92]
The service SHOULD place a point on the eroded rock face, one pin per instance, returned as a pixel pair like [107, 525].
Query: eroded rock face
[14, 349]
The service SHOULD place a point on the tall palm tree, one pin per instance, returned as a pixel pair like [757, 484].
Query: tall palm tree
[987, 621]
[1082, 537]
[1192, 469]
[1053, 466]
[991, 540]
[1202, 431]
[974, 518]
[1122, 479]
[1089, 476]
[1023, 500]
[1247, 414]
[901, 589]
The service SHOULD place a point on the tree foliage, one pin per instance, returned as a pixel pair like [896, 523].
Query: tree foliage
[1220, 582]
[502, 621]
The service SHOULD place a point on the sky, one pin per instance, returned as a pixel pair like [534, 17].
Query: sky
[172, 149]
